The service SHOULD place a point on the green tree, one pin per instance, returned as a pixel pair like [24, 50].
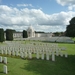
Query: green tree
[1, 35]
[56, 33]
[25, 34]
[70, 29]
[9, 34]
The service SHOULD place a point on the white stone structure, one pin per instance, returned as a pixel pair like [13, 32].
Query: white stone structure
[31, 33]
[17, 35]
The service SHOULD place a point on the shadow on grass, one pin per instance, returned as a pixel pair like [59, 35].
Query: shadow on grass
[1, 72]
[62, 66]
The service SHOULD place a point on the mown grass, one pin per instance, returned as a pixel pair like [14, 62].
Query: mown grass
[73, 39]
[62, 65]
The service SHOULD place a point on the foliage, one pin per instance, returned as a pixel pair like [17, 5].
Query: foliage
[25, 34]
[72, 21]
[1, 35]
[39, 32]
[70, 29]
[9, 34]
[58, 33]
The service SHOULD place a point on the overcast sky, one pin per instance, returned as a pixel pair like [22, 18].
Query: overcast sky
[43, 15]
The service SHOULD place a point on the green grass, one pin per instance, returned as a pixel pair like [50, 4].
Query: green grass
[62, 65]
[73, 39]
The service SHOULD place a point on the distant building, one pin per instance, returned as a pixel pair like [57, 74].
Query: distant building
[31, 33]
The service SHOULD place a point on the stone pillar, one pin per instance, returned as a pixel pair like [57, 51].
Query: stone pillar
[5, 69]
[0, 59]
[5, 60]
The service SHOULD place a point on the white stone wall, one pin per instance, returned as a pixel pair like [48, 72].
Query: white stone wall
[43, 35]
[18, 35]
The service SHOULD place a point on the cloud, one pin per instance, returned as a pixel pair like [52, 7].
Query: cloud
[69, 3]
[66, 2]
[71, 7]
[24, 5]
[20, 19]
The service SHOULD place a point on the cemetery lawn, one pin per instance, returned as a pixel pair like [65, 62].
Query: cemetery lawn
[61, 66]
[73, 39]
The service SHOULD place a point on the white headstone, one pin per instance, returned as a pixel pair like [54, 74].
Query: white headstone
[57, 53]
[42, 56]
[53, 57]
[61, 54]
[47, 56]
[30, 55]
[0, 59]
[37, 55]
[13, 52]
[5, 69]
[66, 55]
[5, 60]
[17, 53]
[21, 54]
[9, 52]
[6, 52]
[25, 54]
[1, 51]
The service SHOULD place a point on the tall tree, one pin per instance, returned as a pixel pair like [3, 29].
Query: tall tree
[1, 35]
[25, 34]
[70, 29]
[9, 34]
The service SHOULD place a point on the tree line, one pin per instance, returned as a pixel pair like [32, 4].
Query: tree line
[9, 34]
[70, 29]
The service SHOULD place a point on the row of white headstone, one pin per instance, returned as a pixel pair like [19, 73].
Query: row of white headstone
[26, 51]
[42, 55]
[5, 62]
[39, 53]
